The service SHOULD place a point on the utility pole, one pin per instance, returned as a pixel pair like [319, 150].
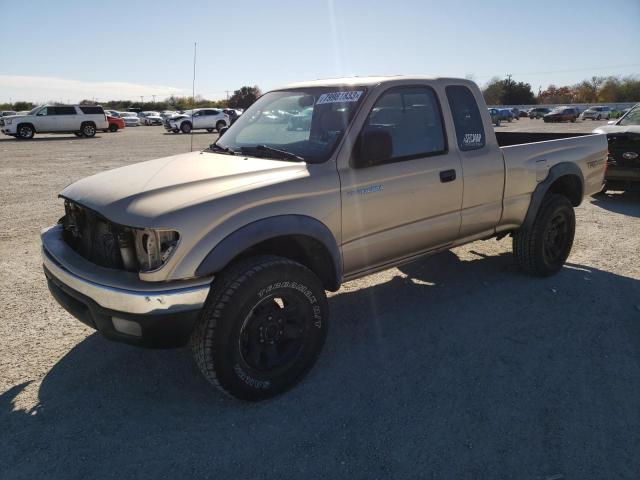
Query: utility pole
[227, 92]
[154, 98]
[141, 100]
[508, 99]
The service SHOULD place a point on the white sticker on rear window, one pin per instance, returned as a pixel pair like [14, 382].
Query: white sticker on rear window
[472, 139]
[339, 97]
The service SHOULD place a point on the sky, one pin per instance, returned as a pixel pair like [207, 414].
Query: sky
[70, 50]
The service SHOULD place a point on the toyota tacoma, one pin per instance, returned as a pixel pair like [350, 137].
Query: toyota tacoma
[233, 248]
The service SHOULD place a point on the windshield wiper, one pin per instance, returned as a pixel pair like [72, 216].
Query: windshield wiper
[220, 148]
[283, 153]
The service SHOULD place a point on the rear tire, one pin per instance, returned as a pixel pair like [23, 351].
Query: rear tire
[185, 127]
[262, 328]
[542, 249]
[220, 125]
[88, 129]
[113, 127]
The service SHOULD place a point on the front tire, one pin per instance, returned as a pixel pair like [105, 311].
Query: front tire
[262, 328]
[185, 127]
[25, 132]
[113, 127]
[542, 249]
[220, 125]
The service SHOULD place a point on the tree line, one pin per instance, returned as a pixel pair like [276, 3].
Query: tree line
[241, 98]
[496, 92]
[594, 90]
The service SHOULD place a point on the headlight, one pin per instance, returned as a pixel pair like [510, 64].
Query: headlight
[154, 247]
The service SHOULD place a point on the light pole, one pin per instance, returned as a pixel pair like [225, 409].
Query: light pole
[141, 100]
[154, 98]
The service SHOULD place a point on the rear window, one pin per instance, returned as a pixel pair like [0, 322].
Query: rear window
[466, 118]
[91, 110]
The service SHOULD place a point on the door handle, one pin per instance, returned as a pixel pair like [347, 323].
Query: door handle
[447, 176]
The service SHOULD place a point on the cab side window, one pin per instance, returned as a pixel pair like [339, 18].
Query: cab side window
[466, 118]
[404, 124]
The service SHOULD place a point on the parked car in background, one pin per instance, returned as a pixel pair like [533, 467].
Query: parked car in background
[538, 112]
[150, 118]
[115, 123]
[597, 113]
[167, 114]
[81, 120]
[561, 114]
[524, 114]
[7, 113]
[233, 114]
[112, 113]
[495, 116]
[623, 160]
[516, 113]
[198, 119]
[131, 119]
[506, 115]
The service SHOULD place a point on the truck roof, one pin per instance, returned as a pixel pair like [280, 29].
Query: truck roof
[370, 81]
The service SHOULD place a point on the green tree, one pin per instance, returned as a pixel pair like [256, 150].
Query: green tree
[20, 106]
[244, 97]
[508, 92]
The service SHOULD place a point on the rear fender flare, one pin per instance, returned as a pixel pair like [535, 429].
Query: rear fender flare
[555, 172]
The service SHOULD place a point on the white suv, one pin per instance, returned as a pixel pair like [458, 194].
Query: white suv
[200, 118]
[597, 113]
[82, 120]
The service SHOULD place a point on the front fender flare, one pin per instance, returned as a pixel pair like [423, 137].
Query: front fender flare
[256, 232]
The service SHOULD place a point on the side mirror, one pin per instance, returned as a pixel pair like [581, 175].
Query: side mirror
[373, 147]
[222, 131]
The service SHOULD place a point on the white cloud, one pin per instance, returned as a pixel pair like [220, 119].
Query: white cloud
[45, 89]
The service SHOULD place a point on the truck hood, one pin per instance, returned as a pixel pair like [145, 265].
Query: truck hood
[139, 195]
[618, 129]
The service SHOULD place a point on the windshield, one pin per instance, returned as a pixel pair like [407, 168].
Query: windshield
[129, 114]
[307, 123]
[151, 114]
[33, 111]
[632, 117]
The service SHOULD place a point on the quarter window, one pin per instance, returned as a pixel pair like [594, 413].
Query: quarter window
[466, 118]
[410, 118]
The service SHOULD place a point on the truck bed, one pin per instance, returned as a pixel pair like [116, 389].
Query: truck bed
[506, 139]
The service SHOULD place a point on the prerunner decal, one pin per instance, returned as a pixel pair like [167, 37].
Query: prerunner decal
[339, 97]
[472, 139]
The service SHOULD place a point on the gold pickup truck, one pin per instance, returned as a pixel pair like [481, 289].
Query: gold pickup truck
[317, 183]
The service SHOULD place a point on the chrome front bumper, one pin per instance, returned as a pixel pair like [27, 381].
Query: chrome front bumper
[118, 290]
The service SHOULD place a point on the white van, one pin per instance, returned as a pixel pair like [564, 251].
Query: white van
[82, 120]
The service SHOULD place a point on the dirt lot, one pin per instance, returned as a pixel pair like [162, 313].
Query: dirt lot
[455, 367]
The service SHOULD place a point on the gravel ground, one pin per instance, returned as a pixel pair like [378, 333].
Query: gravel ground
[456, 366]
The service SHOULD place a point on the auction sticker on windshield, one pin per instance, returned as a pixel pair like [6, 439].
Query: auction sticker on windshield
[339, 97]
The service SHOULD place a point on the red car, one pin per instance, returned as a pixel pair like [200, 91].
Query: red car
[115, 123]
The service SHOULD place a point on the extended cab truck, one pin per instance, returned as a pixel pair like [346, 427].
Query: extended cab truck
[82, 120]
[233, 248]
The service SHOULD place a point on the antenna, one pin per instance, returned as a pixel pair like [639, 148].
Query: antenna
[193, 92]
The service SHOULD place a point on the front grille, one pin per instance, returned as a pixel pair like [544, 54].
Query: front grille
[1, 122]
[92, 236]
[620, 143]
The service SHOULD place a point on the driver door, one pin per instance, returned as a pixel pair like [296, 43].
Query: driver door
[402, 191]
[45, 120]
